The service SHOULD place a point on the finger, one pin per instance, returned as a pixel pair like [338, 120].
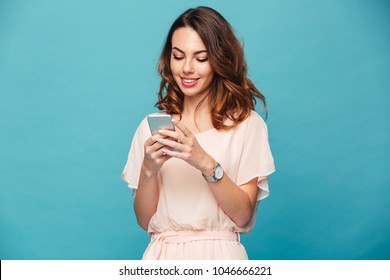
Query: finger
[154, 151]
[153, 145]
[162, 152]
[180, 136]
[156, 146]
[149, 142]
[153, 139]
[159, 154]
[177, 136]
[172, 144]
[176, 154]
[170, 133]
[163, 155]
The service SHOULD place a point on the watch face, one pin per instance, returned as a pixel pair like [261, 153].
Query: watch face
[218, 172]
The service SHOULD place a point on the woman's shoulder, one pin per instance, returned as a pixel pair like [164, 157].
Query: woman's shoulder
[256, 116]
[254, 119]
[253, 122]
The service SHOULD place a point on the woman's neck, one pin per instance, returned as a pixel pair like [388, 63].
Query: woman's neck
[197, 118]
[195, 104]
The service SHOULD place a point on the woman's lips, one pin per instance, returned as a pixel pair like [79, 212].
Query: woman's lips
[189, 82]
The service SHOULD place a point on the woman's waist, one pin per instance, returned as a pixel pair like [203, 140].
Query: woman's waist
[194, 235]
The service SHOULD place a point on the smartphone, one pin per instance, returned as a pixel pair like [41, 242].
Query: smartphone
[157, 122]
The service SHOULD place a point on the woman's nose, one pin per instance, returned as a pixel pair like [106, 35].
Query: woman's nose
[188, 66]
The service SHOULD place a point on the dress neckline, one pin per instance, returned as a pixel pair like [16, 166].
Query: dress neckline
[204, 131]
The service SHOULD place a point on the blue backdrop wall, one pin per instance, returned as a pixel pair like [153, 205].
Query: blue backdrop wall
[76, 78]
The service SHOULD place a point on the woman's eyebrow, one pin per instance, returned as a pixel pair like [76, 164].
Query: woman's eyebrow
[179, 50]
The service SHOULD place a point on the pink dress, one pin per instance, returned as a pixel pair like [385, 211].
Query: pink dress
[188, 223]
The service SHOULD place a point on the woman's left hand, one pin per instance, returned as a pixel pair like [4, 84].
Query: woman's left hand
[184, 145]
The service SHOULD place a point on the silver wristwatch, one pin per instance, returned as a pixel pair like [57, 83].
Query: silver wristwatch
[217, 175]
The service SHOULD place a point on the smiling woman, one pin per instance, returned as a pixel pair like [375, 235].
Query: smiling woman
[198, 186]
[190, 66]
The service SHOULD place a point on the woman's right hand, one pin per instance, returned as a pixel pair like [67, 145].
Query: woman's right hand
[154, 156]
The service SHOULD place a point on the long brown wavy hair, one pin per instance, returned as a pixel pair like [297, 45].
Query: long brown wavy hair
[232, 94]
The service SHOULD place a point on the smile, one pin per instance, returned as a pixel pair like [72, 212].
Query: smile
[188, 82]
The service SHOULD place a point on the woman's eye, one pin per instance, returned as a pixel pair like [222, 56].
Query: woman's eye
[177, 57]
[202, 59]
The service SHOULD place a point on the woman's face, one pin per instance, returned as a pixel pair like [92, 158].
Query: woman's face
[190, 65]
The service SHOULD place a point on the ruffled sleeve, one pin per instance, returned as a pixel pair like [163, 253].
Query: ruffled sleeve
[256, 157]
[131, 171]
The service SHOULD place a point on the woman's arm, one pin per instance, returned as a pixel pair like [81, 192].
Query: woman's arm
[238, 202]
[146, 198]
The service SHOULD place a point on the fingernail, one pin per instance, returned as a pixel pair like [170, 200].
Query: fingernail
[173, 120]
[159, 139]
[161, 131]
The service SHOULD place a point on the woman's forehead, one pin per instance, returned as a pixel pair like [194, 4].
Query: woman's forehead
[187, 40]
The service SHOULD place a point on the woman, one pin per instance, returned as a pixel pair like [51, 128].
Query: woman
[198, 186]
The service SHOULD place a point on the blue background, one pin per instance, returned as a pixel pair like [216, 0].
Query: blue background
[77, 77]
